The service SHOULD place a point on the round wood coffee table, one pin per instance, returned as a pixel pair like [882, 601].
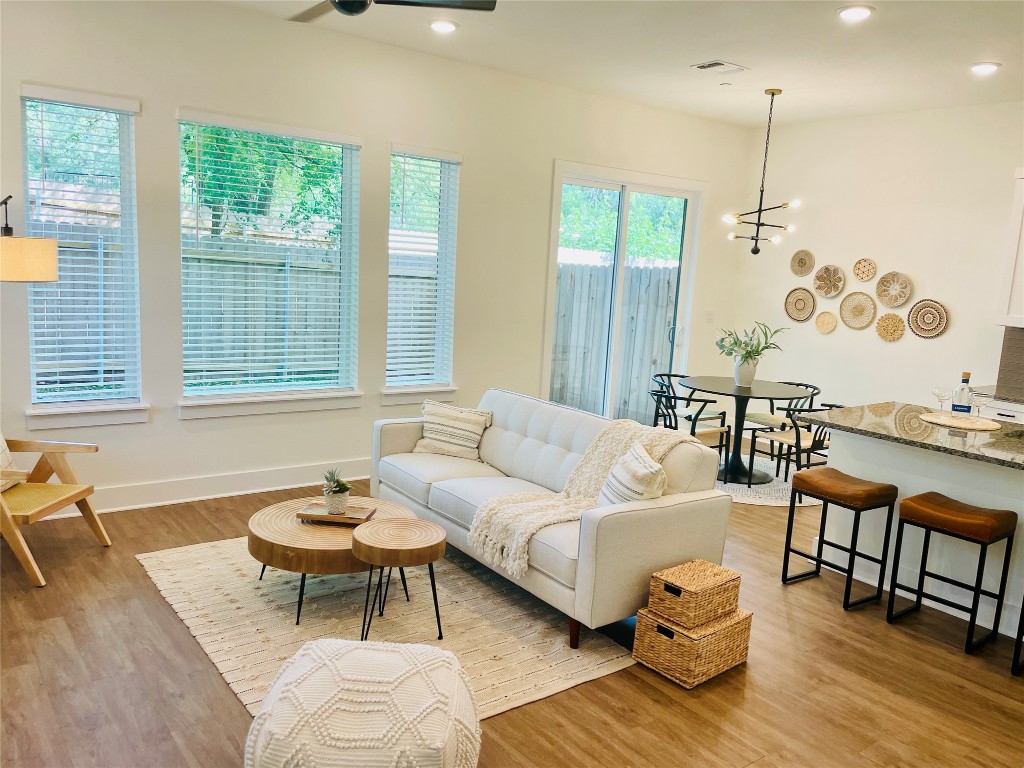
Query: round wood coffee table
[279, 539]
[397, 543]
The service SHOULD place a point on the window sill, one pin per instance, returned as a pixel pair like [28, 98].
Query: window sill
[214, 406]
[415, 395]
[85, 414]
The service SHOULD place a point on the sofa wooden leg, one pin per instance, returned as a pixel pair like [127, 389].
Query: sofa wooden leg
[574, 633]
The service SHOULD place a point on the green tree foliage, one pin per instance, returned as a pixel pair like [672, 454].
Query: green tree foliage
[82, 146]
[590, 220]
[256, 182]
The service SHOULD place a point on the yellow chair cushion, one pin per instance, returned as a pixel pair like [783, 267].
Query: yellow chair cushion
[769, 420]
[29, 502]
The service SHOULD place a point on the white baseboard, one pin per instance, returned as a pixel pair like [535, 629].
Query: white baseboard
[867, 572]
[116, 498]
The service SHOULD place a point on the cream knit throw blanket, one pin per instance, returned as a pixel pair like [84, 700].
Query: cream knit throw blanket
[502, 527]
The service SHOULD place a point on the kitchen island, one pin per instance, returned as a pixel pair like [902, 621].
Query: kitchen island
[890, 443]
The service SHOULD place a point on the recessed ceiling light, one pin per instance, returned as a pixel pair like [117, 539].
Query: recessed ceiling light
[985, 67]
[443, 27]
[854, 13]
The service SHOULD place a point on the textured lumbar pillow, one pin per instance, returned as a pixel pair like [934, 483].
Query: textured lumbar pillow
[636, 476]
[452, 431]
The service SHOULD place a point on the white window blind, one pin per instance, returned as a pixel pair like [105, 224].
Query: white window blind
[421, 270]
[269, 261]
[80, 190]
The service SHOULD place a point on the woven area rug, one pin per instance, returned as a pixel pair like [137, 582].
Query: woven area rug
[773, 494]
[514, 647]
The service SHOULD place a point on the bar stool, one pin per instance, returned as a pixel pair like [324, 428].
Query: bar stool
[935, 513]
[830, 486]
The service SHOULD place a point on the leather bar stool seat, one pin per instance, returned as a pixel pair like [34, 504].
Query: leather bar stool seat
[967, 521]
[935, 513]
[830, 484]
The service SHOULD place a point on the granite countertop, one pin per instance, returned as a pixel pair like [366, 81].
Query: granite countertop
[901, 423]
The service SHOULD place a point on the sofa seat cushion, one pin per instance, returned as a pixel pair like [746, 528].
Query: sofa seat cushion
[554, 550]
[458, 499]
[414, 473]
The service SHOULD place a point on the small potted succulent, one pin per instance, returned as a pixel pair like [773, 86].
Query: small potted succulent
[335, 492]
[747, 349]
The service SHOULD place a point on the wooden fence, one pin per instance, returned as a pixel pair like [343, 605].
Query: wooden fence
[582, 330]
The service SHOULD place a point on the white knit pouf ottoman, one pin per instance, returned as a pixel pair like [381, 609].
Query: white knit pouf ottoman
[343, 703]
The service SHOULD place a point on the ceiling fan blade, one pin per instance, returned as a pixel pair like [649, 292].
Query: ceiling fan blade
[312, 13]
[459, 5]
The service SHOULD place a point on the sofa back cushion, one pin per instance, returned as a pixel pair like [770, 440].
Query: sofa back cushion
[535, 440]
[541, 442]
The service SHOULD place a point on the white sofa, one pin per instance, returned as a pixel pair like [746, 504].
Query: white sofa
[596, 570]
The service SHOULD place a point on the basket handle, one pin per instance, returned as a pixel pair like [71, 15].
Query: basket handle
[672, 589]
[663, 630]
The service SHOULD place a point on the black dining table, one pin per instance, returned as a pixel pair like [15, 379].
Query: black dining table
[733, 469]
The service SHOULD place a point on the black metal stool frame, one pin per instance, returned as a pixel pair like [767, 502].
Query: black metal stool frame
[819, 559]
[1016, 663]
[976, 589]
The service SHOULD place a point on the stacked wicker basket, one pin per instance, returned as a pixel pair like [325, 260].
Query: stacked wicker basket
[692, 628]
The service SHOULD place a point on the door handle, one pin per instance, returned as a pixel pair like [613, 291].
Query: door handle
[671, 334]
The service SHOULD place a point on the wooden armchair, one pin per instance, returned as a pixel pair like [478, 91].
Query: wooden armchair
[33, 497]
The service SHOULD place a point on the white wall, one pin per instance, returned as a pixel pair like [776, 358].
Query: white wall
[924, 193]
[510, 130]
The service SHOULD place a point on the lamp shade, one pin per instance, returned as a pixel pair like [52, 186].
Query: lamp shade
[28, 260]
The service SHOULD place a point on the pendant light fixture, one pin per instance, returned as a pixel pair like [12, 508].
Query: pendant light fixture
[759, 224]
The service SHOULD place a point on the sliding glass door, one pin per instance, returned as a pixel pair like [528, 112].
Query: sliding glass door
[617, 291]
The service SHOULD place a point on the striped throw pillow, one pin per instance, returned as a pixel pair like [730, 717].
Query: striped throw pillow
[635, 477]
[452, 431]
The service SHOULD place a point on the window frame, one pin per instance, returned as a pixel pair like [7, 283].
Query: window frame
[278, 400]
[53, 413]
[444, 391]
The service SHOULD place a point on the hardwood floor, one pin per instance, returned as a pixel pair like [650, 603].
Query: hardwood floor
[97, 670]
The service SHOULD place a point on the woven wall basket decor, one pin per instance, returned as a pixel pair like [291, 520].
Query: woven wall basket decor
[802, 263]
[864, 269]
[894, 289]
[825, 322]
[799, 304]
[890, 327]
[928, 318]
[829, 281]
[857, 310]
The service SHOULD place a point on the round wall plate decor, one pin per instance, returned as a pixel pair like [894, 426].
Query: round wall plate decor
[802, 263]
[928, 318]
[799, 304]
[890, 327]
[894, 289]
[857, 310]
[864, 269]
[829, 281]
[825, 322]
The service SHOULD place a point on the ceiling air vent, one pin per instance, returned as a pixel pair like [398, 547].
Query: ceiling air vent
[719, 67]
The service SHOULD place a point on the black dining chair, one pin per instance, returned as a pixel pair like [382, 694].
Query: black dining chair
[667, 408]
[681, 402]
[777, 420]
[802, 443]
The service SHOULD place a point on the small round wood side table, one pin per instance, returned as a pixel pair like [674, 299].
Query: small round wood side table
[279, 539]
[396, 543]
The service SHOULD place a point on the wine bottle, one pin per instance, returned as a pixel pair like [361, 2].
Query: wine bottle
[962, 394]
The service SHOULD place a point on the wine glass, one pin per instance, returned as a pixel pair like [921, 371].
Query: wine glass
[942, 394]
[980, 400]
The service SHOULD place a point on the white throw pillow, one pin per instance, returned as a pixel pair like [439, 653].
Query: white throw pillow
[452, 431]
[635, 477]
